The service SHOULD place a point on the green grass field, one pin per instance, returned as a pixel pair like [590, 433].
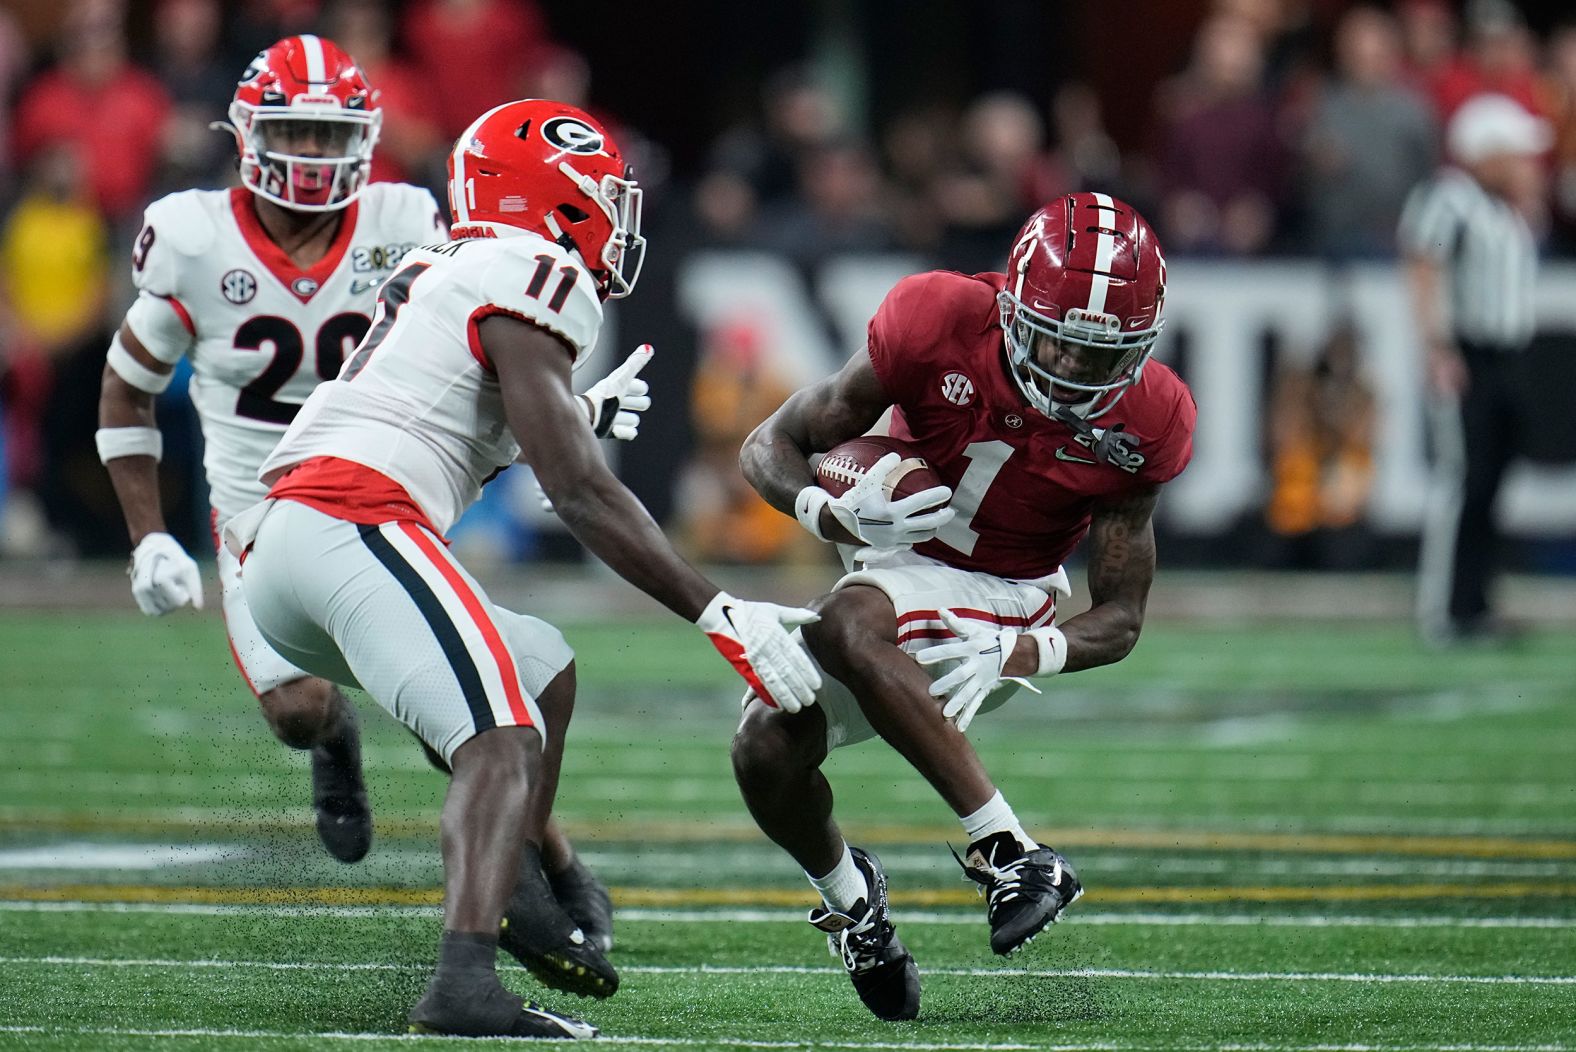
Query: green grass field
[1294, 836]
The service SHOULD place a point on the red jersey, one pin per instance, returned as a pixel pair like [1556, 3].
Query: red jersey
[1024, 485]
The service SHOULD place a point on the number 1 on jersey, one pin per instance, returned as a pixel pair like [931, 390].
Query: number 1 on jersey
[986, 460]
[391, 297]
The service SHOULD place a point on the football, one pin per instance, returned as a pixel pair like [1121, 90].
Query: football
[847, 463]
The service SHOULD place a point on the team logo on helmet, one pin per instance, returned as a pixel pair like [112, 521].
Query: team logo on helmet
[957, 389]
[257, 66]
[238, 286]
[572, 135]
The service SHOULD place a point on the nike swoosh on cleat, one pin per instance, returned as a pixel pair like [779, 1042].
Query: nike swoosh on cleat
[1062, 454]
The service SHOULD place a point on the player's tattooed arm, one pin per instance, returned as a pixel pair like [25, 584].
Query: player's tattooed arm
[135, 478]
[1121, 569]
[549, 422]
[775, 458]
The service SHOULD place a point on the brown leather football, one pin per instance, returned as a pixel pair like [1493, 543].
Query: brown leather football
[846, 464]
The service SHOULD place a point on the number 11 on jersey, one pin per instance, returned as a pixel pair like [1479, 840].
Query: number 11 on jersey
[985, 463]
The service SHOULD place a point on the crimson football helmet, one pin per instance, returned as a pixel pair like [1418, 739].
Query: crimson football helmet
[548, 168]
[1086, 282]
[305, 121]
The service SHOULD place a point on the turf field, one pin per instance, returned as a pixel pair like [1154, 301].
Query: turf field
[1294, 835]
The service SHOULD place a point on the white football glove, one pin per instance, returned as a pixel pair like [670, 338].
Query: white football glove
[758, 639]
[618, 399]
[867, 512]
[982, 651]
[163, 576]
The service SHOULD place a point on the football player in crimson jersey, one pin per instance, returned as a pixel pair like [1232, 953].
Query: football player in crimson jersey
[466, 369]
[1033, 395]
[266, 288]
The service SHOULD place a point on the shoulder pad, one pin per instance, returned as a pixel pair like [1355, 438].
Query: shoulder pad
[405, 211]
[537, 281]
[185, 220]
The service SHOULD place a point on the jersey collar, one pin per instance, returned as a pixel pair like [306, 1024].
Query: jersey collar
[302, 284]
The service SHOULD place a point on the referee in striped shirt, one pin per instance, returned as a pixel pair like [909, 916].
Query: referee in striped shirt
[1471, 265]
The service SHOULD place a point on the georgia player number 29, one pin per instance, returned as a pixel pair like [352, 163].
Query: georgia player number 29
[256, 400]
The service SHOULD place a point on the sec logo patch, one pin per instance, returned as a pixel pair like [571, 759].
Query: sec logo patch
[238, 286]
[957, 389]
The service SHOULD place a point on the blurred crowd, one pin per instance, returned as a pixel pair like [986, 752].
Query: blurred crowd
[1277, 137]
[1291, 128]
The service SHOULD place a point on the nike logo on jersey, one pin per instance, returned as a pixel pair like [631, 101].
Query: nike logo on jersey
[361, 285]
[1062, 454]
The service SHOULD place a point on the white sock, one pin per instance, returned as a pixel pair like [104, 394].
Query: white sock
[996, 817]
[844, 886]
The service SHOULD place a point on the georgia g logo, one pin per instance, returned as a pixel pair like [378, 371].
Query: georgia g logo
[572, 135]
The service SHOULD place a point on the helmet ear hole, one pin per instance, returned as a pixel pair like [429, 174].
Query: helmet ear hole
[573, 214]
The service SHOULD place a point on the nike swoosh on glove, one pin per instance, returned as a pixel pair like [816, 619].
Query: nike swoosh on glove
[982, 652]
[618, 399]
[163, 576]
[758, 640]
[869, 513]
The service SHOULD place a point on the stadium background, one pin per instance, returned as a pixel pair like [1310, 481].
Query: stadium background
[1300, 828]
[798, 160]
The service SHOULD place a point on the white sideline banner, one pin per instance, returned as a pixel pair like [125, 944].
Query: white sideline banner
[1225, 310]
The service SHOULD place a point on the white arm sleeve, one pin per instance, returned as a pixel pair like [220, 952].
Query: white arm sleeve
[160, 326]
[157, 319]
[129, 369]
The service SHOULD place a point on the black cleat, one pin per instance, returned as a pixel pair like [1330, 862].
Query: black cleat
[1026, 890]
[541, 936]
[339, 796]
[587, 902]
[879, 965]
[473, 1003]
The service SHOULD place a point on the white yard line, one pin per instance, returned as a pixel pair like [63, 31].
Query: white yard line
[789, 916]
[743, 1042]
[789, 969]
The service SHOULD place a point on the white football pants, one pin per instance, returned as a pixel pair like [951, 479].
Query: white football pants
[387, 608]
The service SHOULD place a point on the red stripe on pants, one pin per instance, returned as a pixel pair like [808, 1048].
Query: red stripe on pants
[480, 617]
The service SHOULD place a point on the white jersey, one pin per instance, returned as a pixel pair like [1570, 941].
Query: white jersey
[261, 333]
[418, 401]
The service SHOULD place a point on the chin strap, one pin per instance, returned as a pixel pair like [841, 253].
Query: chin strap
[564, 240]
[1110, 444]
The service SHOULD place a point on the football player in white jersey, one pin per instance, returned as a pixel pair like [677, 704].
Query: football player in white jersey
[266, 288]
[467, 368]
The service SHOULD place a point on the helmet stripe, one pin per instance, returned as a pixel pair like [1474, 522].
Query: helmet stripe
[462, 208]
[1104, 250]
[316, 67]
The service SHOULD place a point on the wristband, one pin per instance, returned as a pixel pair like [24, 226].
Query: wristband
[116, 442]
[148, 381]
[1053, 649]
[807, 509]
